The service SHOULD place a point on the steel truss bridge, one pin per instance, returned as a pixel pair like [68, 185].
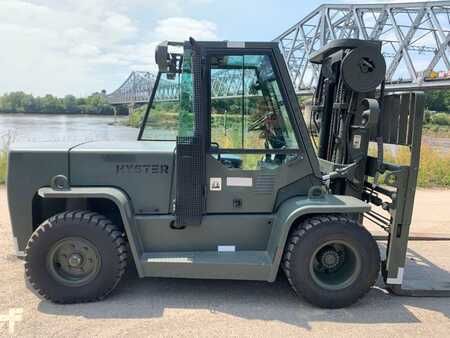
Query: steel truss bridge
[415, 38]
[137, 88]
[139, 85]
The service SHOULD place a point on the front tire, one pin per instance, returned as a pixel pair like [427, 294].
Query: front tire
[75, 256]
[331, 261]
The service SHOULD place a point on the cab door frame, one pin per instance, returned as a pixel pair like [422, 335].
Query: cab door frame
[259, 188]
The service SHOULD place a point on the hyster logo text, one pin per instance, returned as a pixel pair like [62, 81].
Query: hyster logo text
[142, 169]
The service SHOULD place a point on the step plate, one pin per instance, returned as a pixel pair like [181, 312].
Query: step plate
[247, 265]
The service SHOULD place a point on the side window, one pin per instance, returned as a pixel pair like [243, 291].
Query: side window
[248, 110]
[171, 114]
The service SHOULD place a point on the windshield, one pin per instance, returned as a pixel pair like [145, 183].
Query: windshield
[171, 111]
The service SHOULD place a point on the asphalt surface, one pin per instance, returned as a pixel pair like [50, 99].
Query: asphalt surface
[207, 308]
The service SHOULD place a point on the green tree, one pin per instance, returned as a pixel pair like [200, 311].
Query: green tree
[71, 105]
[427, 117]
[20, 102]
[51, 104]
[98, 104]
[441, 119]
[29, 104]
[438, 100]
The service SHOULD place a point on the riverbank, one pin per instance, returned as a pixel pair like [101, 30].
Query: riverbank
[93, 113]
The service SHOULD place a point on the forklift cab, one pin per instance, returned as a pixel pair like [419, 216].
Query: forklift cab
[235, 104]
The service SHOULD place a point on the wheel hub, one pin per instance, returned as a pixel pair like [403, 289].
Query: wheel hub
[330, 259]
[335, 265]
[73, 261]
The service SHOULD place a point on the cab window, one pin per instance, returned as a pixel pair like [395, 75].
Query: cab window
[171, 114]
[248, 111]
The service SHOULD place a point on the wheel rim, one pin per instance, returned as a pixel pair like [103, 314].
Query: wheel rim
[73, 261]
[335, 265]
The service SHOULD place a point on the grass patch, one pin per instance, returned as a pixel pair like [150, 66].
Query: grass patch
[3, 162]
[434, 167]
[435, 130]
[135, 119]
[5, 140]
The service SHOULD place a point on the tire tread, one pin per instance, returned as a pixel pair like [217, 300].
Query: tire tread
[301, 231]
[93, 219]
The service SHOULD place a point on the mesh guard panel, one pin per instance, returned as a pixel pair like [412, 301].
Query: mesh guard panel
[190, 173]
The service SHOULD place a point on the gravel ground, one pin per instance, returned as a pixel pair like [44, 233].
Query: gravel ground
[206, 308]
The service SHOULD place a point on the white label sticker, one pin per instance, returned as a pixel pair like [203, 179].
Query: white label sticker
[239, 181]
[215, 184]
[235, 44]
[226, 248]
[357, 141]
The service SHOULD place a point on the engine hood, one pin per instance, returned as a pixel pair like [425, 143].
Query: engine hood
[95, 146]
[143, 169]
[31, 147]
[125, 146]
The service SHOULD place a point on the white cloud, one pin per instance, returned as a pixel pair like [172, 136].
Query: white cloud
[141, 56]
[118, 25]
[85, 49]
[80, 46]
[180, 28]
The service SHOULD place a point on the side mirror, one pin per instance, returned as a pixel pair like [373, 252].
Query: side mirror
[168, 62]
[162, 57]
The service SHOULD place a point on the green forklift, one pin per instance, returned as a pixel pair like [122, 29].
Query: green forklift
[226, 180]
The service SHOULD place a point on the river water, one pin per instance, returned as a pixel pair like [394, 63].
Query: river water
[82, 128]
[63, 128]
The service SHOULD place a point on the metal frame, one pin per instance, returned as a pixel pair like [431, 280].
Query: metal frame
[149, 106]
[301, 133]
[136, 88]
[402, 119]
[407, 31]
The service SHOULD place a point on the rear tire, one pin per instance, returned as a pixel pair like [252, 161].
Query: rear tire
[331, 261]
[75, 256]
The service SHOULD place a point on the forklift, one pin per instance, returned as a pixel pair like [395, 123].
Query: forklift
[226, 182]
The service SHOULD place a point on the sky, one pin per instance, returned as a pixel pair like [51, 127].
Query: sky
[79, 47]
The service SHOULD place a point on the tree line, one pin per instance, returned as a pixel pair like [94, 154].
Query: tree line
[20, 102]
[437, 105]
[438, 101]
